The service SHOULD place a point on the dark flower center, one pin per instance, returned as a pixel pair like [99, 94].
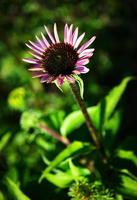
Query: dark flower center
[59, 58]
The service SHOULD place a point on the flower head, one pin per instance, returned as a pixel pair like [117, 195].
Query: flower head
[54, 60]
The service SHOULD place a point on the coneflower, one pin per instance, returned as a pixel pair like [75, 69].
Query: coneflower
[54, 60]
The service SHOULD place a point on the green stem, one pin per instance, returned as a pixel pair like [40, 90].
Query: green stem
[93, 132]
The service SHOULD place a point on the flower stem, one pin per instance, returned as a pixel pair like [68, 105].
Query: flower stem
[93, 132]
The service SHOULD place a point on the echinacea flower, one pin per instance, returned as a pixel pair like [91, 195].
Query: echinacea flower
[56, 61]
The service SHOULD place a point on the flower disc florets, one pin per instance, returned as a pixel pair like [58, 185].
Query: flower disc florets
[55, 61]
[59, 59]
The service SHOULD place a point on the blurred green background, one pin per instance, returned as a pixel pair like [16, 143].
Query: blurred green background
[24, 100]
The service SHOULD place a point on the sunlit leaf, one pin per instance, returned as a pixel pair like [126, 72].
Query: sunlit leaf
[4, 140]
[15, 191]
[74, 149]
[127, 185]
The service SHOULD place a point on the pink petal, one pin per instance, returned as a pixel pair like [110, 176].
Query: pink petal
[30, 60]
[65, 33]
[69, 35]
[40, 42]
[56, 33]
[36, 56]
[34, 49]
[87, 55]
[49, 34]
[82, 62]
[82, 69]
[79, 40]
[76, 72]
[35, 69]
[36, 46]
[75, 35]
[85, 52]
[84, 46]
[45, 40]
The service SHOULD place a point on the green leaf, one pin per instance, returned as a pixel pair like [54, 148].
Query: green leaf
[60, 179]
[127, 185]
[127, 155]
[99, 113]
[4, 140]
[74, 149]
[15, 191]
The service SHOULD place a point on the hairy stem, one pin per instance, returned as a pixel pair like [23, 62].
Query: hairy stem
[93, 132]
[54, 134]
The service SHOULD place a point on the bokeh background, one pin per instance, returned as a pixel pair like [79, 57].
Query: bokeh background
[22, 99]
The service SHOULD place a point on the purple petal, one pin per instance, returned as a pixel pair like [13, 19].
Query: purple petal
[37, 74]
[82, 69]
[45, 78]
[45, 40]
[30, 60]
[36, 46]
[82, 62]
[75, 35]
[56, 33]
[79, 40]
[84, 46]
[49, 34]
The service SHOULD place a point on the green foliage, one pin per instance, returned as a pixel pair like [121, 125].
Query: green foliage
[74, 149]
[99, 113]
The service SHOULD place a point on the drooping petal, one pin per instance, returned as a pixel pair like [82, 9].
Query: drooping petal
[79, 40]
[36, 46]
[34, 49]
[82, 69]
[76, 72]
[42, 44]
[56, 33]
[74, 36]
[65, 33]
[70, 79]
[45, 40]
[49, 34]
[82, 62]
[30, 60]
[60, 80]
[84, 46]
[45, 78]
